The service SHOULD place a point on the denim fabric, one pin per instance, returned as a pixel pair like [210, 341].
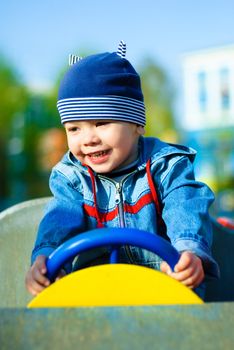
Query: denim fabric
[185, 203]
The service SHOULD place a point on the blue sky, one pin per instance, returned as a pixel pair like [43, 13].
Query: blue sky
[37, 36]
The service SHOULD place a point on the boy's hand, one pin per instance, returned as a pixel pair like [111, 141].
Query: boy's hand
[188, 270]
[35, 279]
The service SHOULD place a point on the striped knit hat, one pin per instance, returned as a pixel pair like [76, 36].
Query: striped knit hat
[103, 86]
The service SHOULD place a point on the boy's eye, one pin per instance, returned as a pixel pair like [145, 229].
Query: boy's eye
[102, 123]
[72, 129]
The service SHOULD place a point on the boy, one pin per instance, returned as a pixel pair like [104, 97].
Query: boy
[112, 176]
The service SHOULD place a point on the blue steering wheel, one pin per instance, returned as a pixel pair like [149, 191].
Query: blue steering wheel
[114, 237]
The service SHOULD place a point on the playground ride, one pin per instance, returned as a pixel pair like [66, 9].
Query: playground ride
[114, 284]
[202, 326]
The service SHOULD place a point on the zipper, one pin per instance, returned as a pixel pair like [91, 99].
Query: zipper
[119, 202]
[118, 195]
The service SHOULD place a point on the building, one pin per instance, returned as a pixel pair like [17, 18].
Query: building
[208, 119]
[209, 88]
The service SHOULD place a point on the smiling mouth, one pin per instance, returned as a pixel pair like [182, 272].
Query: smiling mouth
[98, 154]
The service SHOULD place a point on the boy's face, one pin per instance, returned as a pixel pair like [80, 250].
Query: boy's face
[103, 145]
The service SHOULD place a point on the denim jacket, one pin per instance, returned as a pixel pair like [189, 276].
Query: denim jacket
[84, 200]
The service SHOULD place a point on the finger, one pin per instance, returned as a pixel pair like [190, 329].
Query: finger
[40, 278]
[38, 271]
[41, 263]
[165, 268]
[183, 275]
[185, 260]
[32, 285]
[194, 280]
[198, 277]
[35, 288]
[191, 277]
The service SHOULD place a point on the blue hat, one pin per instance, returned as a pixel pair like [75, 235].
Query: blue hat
[102, 86]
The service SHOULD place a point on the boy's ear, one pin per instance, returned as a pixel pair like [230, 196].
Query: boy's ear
[140, 129]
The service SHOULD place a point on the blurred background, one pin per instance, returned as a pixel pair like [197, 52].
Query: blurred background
[184, 52]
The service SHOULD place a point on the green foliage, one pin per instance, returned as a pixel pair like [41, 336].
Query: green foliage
[158, 95]
[14, 96]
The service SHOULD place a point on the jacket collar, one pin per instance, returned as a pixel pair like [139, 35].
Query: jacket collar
[155, 149]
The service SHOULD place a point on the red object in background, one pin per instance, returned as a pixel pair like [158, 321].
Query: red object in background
[226, 222]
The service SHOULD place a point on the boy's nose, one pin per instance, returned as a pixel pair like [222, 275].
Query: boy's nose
[90, 137]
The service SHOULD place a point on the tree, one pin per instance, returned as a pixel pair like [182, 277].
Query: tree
[13, 94]
[13, 102]
[158, 95]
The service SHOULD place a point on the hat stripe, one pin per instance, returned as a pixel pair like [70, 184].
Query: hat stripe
[103, 115]
[74, 59]
[96, 110]
[111, 107]
[124, 118]
[69, 105]
[109, 98]
[121, 49]
[100, 113]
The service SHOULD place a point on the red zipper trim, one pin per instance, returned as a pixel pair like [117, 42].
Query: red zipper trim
[128, 208]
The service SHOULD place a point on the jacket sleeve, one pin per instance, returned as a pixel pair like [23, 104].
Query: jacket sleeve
[185, 210]
[63, 217]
